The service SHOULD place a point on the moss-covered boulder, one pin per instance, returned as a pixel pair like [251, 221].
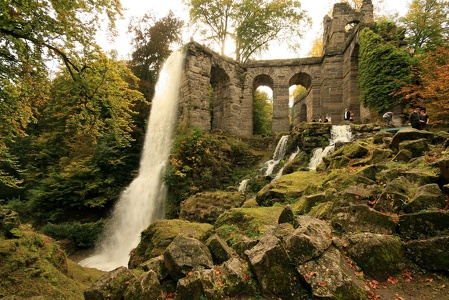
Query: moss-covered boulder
[416, 147]
[427, 197]
[288, 188]
[378, 255]
[249, 222]
[431, 254]
[309, 240]
[112, 285]
[156, 238]
[423, 225]
[362, 218]
[306, 203]
[378, 137]
[220, 251]
[146, 286]
[205, 207]
[274, 270]
[330, 277]
[186, 254]
[408, 134]
[397, 193]
[351, 150]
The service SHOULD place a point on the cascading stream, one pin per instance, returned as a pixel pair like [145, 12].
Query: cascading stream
[143, 201]
[339, 133]
[278, 155]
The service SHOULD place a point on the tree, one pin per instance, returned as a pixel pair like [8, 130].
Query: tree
[262, 113]
[252, 25]
[317, 48]
[384, 66]
[431, 90]
[80, 147]
[152, 45]
[31, 33]
[427, 24]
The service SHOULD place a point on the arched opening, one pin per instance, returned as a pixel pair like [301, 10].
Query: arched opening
[219, 99]
[299, 88]
[262, 104]
[350, 25]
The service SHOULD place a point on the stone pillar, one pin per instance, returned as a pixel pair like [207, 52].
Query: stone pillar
[280, 109]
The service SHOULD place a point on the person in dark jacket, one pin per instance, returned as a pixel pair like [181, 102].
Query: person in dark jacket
[424, 119]
[414, 118]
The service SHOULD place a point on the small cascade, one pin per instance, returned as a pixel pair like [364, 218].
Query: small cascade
[278, 155]
[339, 134]
[242, 186]
[292, 157]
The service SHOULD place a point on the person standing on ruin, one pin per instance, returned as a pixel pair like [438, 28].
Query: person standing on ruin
[347, 115]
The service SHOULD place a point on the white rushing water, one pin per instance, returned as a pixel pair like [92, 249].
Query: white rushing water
[292, 157]
[340, 133]
[143, 201]
[278, 155]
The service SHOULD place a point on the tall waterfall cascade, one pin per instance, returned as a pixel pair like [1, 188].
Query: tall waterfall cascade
[143, 201]
[339, 133]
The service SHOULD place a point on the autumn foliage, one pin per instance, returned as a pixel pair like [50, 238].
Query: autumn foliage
[429, 87]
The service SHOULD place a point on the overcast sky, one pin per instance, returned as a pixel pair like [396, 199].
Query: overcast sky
[316, 9]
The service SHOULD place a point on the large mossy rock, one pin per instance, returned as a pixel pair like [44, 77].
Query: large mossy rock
[330, 277]
[431, 254]
[423, 225]
[249, 222]
[309, 240]
[205, 207]
[273, 269]
[362, 218]
[186, 254]
[378, 255]
[409, 134]
[156, 238]
[111, 285]
[288, 188]
[146, 286]
[416, 147]
[397, 193]
[427, 197]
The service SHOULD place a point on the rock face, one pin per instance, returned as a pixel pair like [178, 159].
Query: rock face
[317, 235]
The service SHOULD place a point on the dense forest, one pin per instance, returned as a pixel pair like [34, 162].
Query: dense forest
[71, 138]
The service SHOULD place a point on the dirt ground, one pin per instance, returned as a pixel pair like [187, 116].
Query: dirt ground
[411, 286]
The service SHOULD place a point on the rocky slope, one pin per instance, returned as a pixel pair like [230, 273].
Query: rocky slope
[370, 223]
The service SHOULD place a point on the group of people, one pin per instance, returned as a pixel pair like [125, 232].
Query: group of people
[418, 119]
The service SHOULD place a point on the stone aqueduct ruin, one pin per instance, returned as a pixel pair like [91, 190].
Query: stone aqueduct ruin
[330, 80]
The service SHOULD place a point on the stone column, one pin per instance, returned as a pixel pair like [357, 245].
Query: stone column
[280, 109]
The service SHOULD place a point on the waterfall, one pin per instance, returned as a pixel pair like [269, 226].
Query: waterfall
[340, 133]
[242, 186]
[143, 201]
[292, 157]
[278, 155]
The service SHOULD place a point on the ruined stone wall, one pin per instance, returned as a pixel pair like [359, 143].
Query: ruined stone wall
[330, 80]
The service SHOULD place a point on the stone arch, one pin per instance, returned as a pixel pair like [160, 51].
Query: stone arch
[220, 98]
[301, 78]
[263, 80]
[259, 81]
[351, 25]
[304, 80]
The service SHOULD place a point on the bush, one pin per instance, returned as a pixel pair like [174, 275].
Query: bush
[81, 235]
